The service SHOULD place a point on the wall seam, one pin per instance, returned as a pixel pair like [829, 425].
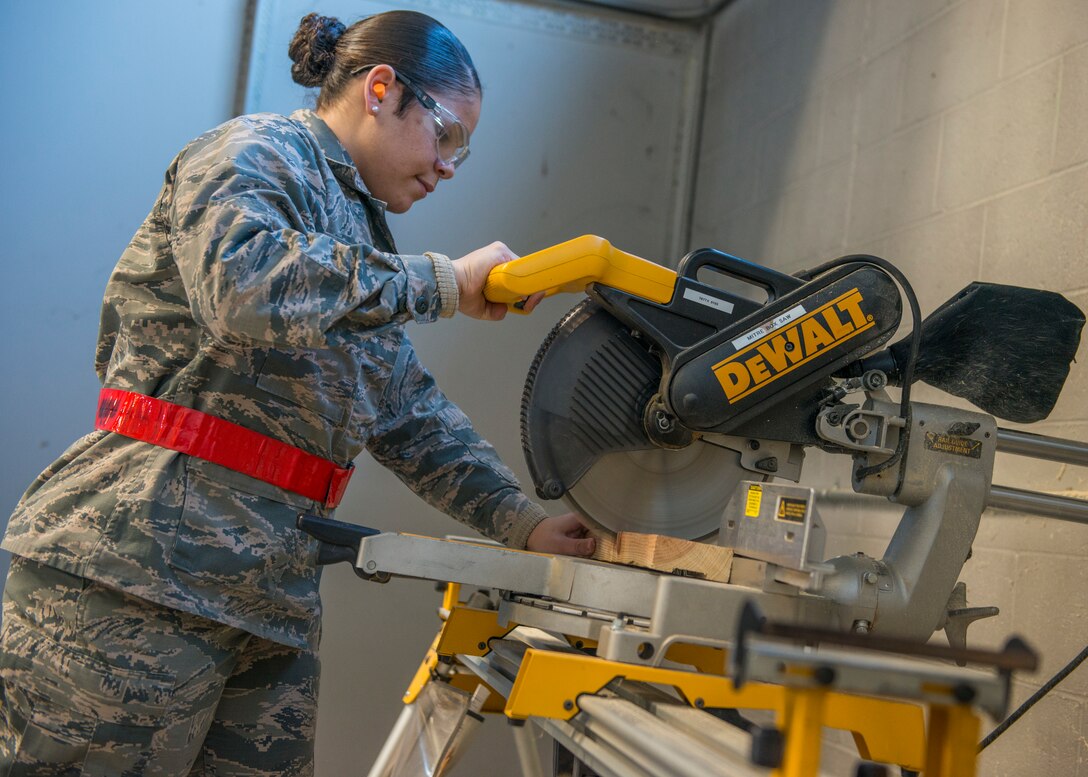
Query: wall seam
[934, 203]
[981, 202]
[1004, 42]
[245, 56]
[915, 29]
[980, 260]
[1057, 115]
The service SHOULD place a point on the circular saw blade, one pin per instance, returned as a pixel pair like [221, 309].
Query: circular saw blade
[584, 439]
[680, 493]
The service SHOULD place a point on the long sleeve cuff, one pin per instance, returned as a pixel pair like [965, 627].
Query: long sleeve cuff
[528, 520]
[448, 292]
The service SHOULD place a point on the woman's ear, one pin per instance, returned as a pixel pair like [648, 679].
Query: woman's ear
[380, 81]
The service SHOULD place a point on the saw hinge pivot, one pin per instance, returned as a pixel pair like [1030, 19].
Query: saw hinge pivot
[663, 428]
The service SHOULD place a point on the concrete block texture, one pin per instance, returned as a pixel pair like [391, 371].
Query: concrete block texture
[727, 172]
[1003, 530]
[1047, 741]
[755, 31]
[752, 94]
[880, 93]
[1038, 30]
[790, 145]
[753, 27]
[839, 27]
[950, 138]
[809, 219]
[742, 232]
[838, 116]
[988, 575]
[1071, 138]
[949, 241]
[1013, 123]
[890, 21]
[1035, 236]
[894, 181]
[952, 58]
[1052, 611]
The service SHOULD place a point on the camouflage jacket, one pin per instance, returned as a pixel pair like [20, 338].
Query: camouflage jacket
[263, 288]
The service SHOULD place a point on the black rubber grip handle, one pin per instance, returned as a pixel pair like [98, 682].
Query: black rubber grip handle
[775, 283]
[339, 540]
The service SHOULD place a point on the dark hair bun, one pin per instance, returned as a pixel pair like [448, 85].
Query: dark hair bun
[313, 49]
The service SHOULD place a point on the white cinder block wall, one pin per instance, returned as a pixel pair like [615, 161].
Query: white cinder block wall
[950, 137]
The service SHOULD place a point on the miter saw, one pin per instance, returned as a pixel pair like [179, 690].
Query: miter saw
[652, 400]
[664, 403]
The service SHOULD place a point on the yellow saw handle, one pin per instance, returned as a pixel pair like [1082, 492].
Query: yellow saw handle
[573, 265]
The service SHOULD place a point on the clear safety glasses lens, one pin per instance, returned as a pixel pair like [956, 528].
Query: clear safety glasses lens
[451, 137]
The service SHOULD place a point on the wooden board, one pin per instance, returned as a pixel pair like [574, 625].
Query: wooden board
[665, 554]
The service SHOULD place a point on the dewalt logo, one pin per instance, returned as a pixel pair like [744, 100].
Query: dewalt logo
[780, 349]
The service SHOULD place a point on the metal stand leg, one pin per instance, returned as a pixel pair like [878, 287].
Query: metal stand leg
[566, 764]
[953, 741]
[528, 755]
[383, 765]
[803, 722]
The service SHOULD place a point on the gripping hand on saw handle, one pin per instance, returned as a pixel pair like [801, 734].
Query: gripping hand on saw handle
[563, 534]
[571, 267]
[471, 272]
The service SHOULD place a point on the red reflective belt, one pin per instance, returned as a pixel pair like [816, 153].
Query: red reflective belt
[222, 442]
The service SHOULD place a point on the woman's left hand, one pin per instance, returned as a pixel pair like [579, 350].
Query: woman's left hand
[471, 271]
[563, 534]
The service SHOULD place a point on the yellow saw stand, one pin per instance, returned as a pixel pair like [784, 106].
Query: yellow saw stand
[622, 719]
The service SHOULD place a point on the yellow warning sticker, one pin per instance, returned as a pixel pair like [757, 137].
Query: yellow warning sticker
[792, 510]
[752, 503]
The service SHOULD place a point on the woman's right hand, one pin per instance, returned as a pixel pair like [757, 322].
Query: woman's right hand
[471, 271]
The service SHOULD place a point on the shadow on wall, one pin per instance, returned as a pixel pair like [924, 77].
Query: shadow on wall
[761, 126]
[802, 157]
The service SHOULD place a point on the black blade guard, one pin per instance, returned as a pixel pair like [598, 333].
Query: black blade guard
[584, 397]
[1005, 349]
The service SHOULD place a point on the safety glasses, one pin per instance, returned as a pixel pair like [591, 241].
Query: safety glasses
[451, 136]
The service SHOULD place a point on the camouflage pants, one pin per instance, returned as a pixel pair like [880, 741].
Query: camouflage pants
[99, 683]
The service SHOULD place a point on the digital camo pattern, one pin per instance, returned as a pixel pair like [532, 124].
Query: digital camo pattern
[97, 683]
[263, 288]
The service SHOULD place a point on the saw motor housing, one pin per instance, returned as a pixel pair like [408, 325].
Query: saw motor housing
[646, 374]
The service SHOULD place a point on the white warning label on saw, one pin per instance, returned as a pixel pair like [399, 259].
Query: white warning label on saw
[767, 327]
[711, 302]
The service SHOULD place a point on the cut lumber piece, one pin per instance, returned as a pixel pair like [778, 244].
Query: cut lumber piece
[665, 554]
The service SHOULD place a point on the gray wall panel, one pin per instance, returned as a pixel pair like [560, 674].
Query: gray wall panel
[99, 98]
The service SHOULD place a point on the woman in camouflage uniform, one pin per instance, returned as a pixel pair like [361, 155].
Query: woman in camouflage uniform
[161, 616]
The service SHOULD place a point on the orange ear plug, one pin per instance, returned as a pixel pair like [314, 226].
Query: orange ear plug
[379, 91]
